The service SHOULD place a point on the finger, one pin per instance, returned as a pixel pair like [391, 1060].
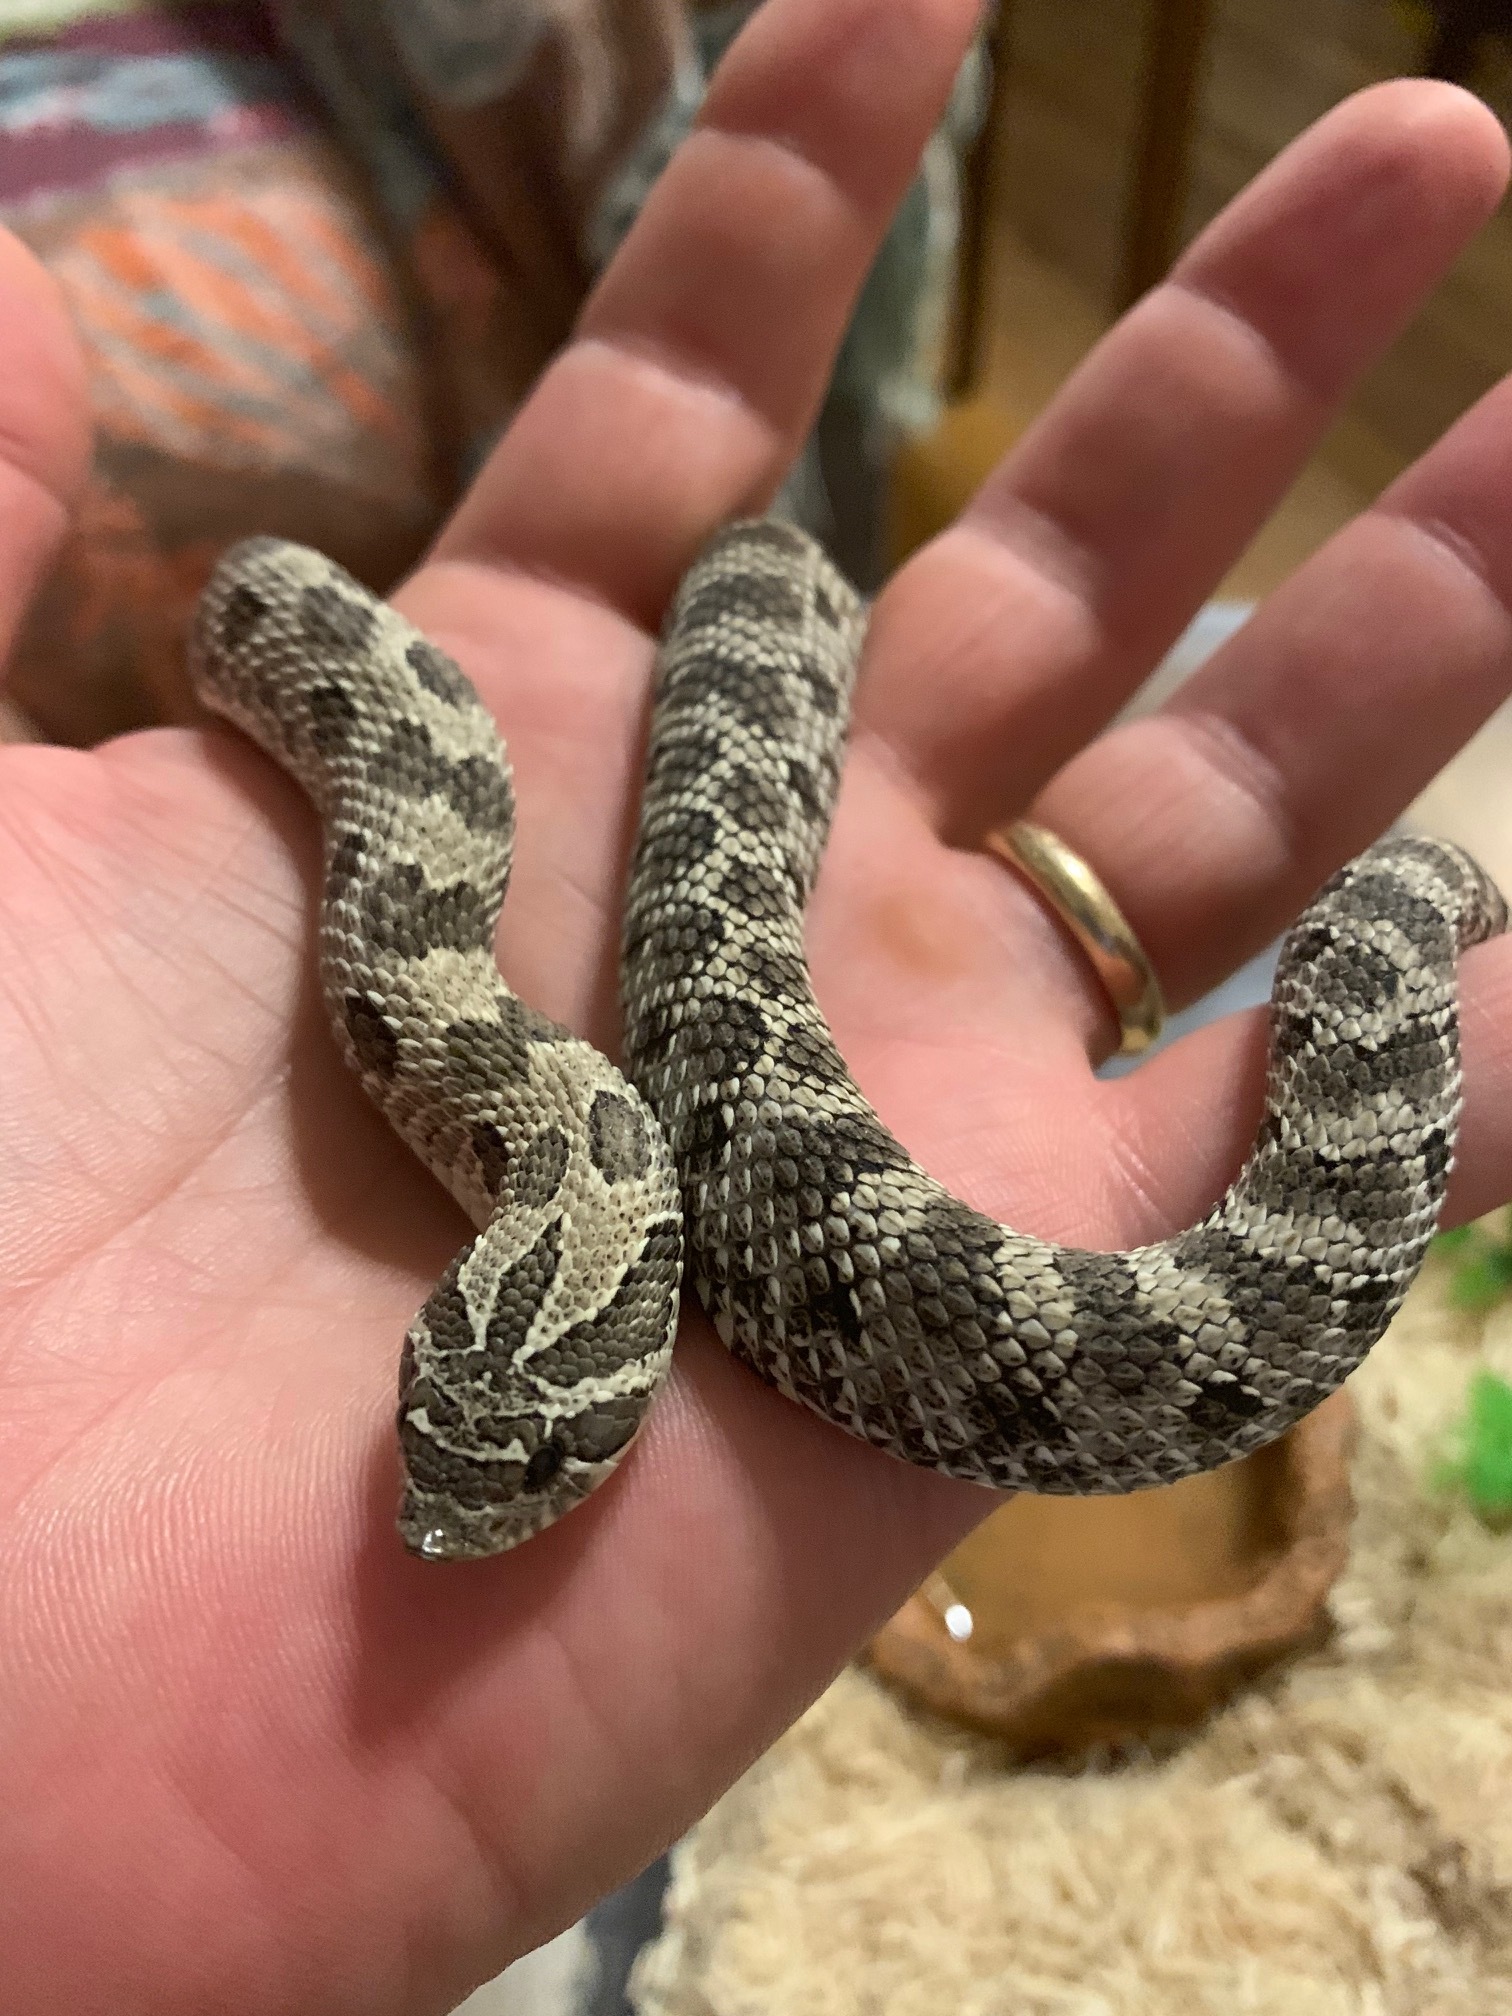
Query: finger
[1001, 647]
[1482, 1177]
[44, 428]
[702, 356]
[1321, 719]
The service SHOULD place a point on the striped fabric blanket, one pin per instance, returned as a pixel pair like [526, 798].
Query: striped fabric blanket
[316, 251]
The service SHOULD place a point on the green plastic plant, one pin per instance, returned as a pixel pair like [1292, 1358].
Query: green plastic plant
[1479, 1464]
[1481, 1256]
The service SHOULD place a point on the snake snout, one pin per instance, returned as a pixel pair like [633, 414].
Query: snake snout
[437, 1528]
[461, 1505]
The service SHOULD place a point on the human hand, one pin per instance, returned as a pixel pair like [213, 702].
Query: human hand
[258, 1759]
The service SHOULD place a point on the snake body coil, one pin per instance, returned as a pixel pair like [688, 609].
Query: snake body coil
[829, 1261]
[851, 1280]
[531, 1365]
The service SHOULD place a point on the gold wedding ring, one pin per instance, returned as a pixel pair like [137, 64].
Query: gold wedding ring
[1095, 921]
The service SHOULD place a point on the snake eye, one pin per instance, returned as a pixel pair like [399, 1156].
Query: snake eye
[244, 610]
[544, 1465]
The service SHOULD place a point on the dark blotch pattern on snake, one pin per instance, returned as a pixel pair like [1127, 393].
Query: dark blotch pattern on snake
[851, 1280]
[532, 1364]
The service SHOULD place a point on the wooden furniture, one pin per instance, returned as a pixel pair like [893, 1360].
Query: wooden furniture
[1459, 28]
[1174, 46]
[1175, 40]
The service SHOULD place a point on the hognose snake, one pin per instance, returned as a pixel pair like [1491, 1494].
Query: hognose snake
[828, 1260]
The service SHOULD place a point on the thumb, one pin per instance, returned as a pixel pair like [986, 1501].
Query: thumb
[44, 428]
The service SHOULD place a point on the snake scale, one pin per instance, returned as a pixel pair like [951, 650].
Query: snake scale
[829, 1261]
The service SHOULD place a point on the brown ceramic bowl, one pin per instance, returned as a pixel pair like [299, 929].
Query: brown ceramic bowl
[1099, 1621]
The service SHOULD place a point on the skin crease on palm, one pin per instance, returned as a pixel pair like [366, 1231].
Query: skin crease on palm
[256, 1758]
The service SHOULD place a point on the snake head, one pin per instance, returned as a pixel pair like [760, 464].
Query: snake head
[490, 1462]
[459, 1505]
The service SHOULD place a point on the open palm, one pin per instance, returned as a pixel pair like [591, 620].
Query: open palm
[256, 1758]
